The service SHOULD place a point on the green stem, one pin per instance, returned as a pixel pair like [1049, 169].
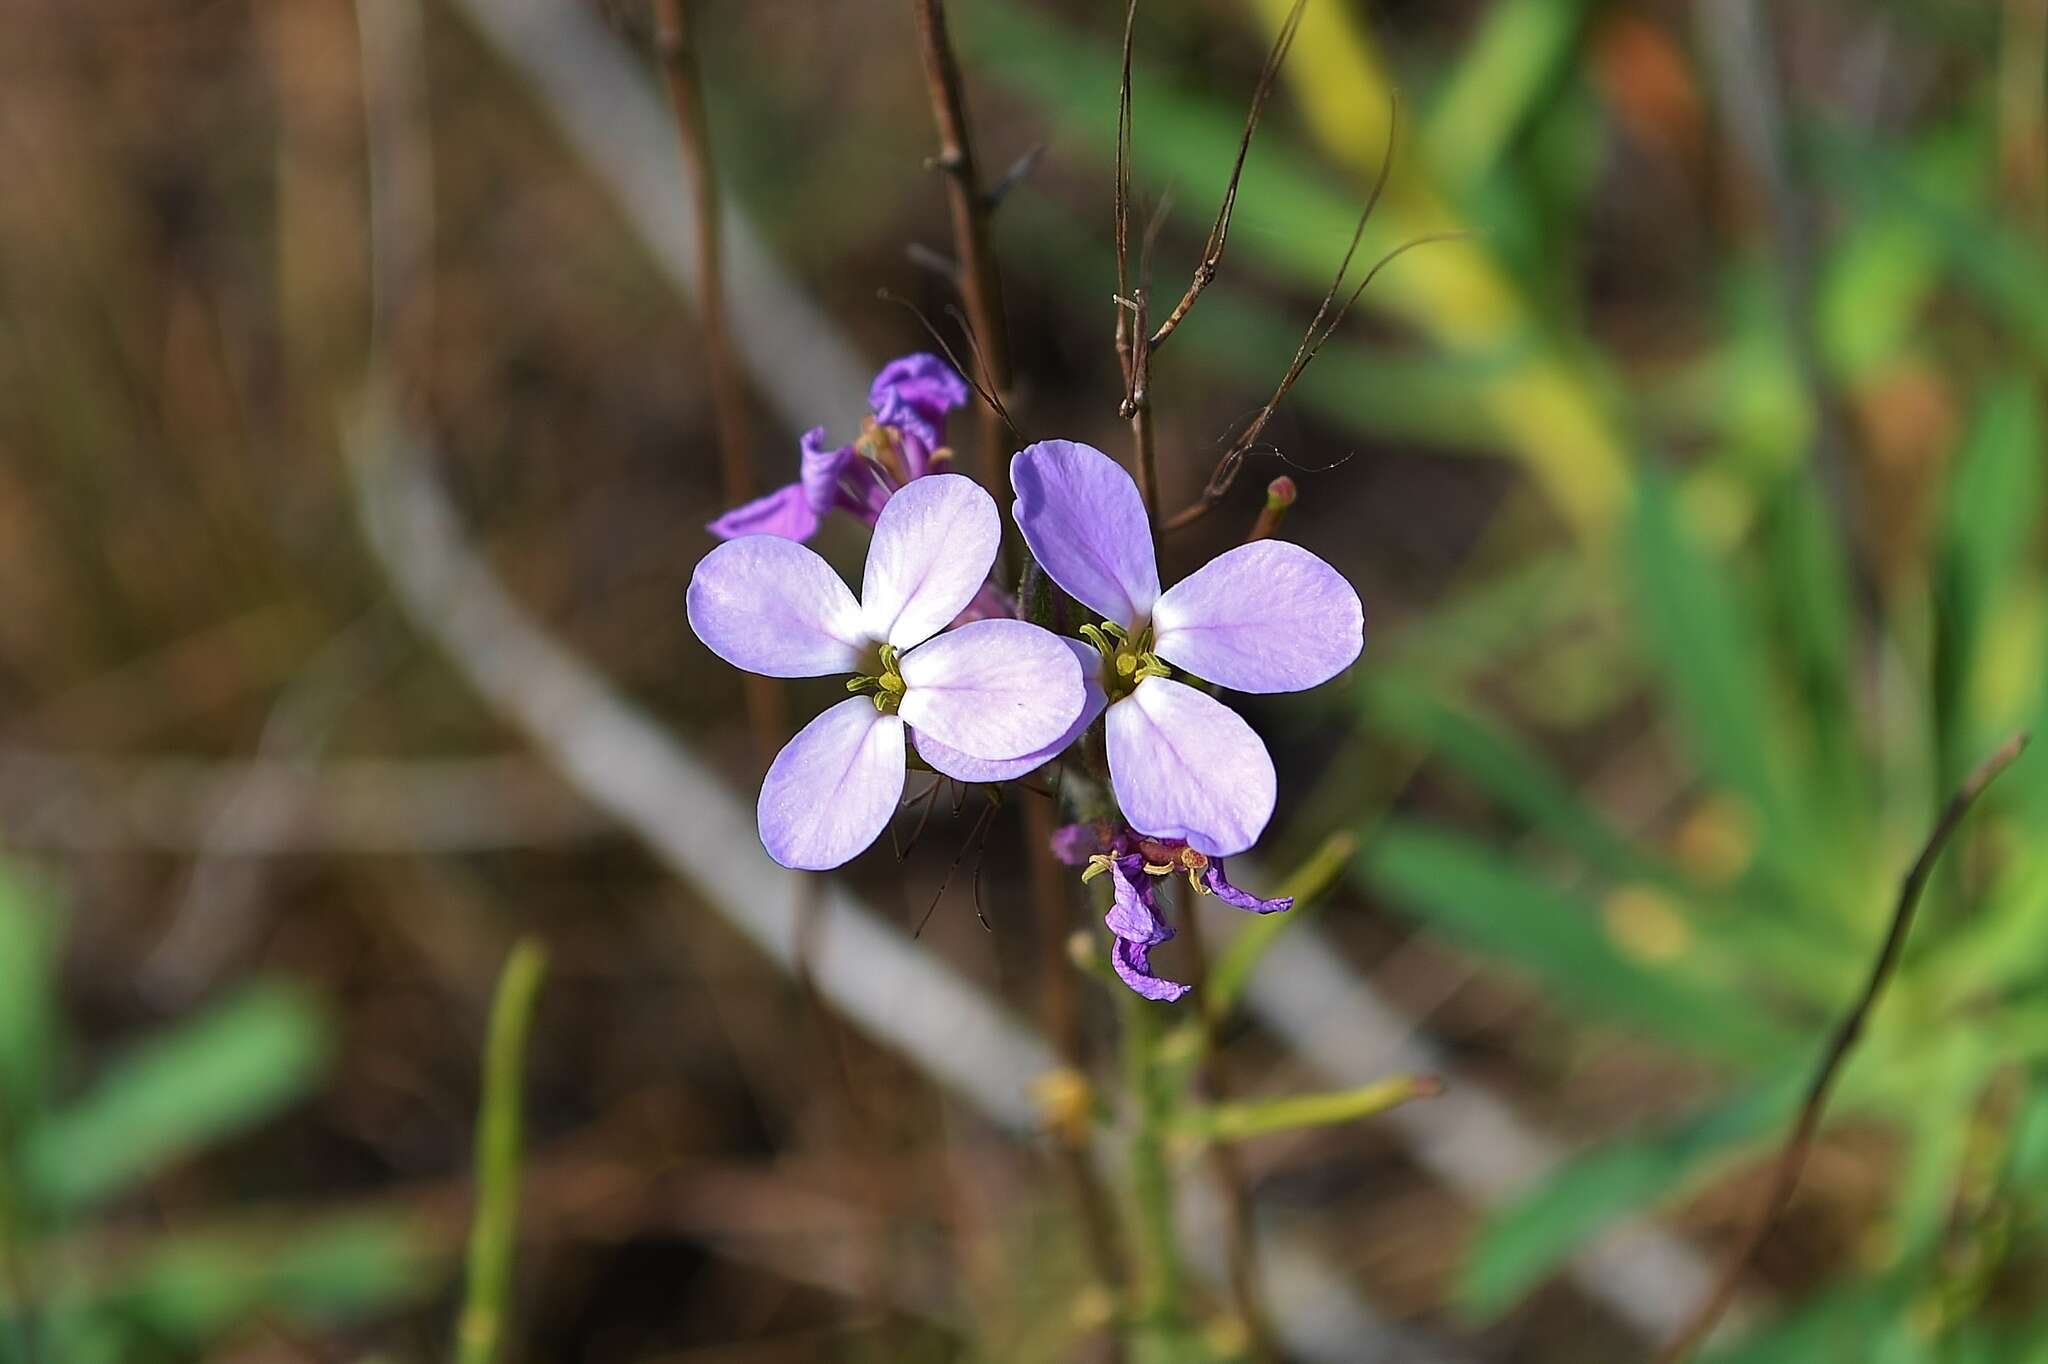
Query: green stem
[494, 1235]
[17, 1289]
[1156, 1233]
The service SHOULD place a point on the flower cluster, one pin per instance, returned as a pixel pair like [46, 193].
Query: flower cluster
[1135, 863]
[988, 700]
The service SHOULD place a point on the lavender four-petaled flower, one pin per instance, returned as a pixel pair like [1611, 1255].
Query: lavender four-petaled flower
[1264, 617]
[1134, 863]
[987, 691]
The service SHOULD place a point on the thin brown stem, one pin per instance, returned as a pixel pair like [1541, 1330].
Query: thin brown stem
[1321, 329]
[1138, 411]
[1792, 1159]
[674, 38]
[1240, 1224]
[1219, 231]
[981, 291]
[981, 285]
[1330, 313]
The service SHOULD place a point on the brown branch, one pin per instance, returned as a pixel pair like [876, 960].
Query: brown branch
[1792, 1159]
[981, 290]
[673, 37]
[981, 285]
[1219, 231]
[767, 714]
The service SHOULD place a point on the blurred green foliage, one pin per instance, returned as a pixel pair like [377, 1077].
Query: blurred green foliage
[1823, 640]
[80, 1278]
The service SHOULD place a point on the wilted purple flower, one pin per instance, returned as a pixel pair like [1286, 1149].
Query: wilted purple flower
[905, 439]
[1134, 862]
[991, 690]
[1264, 617]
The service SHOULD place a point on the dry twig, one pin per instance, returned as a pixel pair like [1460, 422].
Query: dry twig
[674, 38]
[981, 285]
[1792, 1159]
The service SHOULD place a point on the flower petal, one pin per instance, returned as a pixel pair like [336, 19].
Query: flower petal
[1133, 963]
[934, 544]
[959, 766]
[1186, 766]
[772, 606]
[914, 393]
[820, 469]
[994, 689]
[785, 513]
[831, 790]
[1138, 927]
[1264, 617]
[1133, 910]
[1085, 523]
[1219, 886]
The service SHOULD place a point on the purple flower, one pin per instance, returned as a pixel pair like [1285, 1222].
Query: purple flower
[1134, 862]
[904, 440]
[992, 690]
[1139, 928]
[1264, 617]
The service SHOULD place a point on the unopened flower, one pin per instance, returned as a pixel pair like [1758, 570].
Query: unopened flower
[1135, 863]
[1264, 617]
[904, 439]
[989, 691]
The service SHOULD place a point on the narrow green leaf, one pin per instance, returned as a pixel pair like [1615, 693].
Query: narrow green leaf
[196, 1287]
[1815, 619]
[232, 1067]
[1261, 1117]
[493, 1235]
[28, 1006]
[1708, 651]
[1991, 517]
[1522, 51]
[1934, 185]
[1498, 906]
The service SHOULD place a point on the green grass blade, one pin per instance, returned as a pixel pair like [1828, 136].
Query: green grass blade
[28, 1006]
[232, 1067]
[494, 1234]
[1523, 50]
[1991, 519]
[1709, 652]
[197, 1287]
